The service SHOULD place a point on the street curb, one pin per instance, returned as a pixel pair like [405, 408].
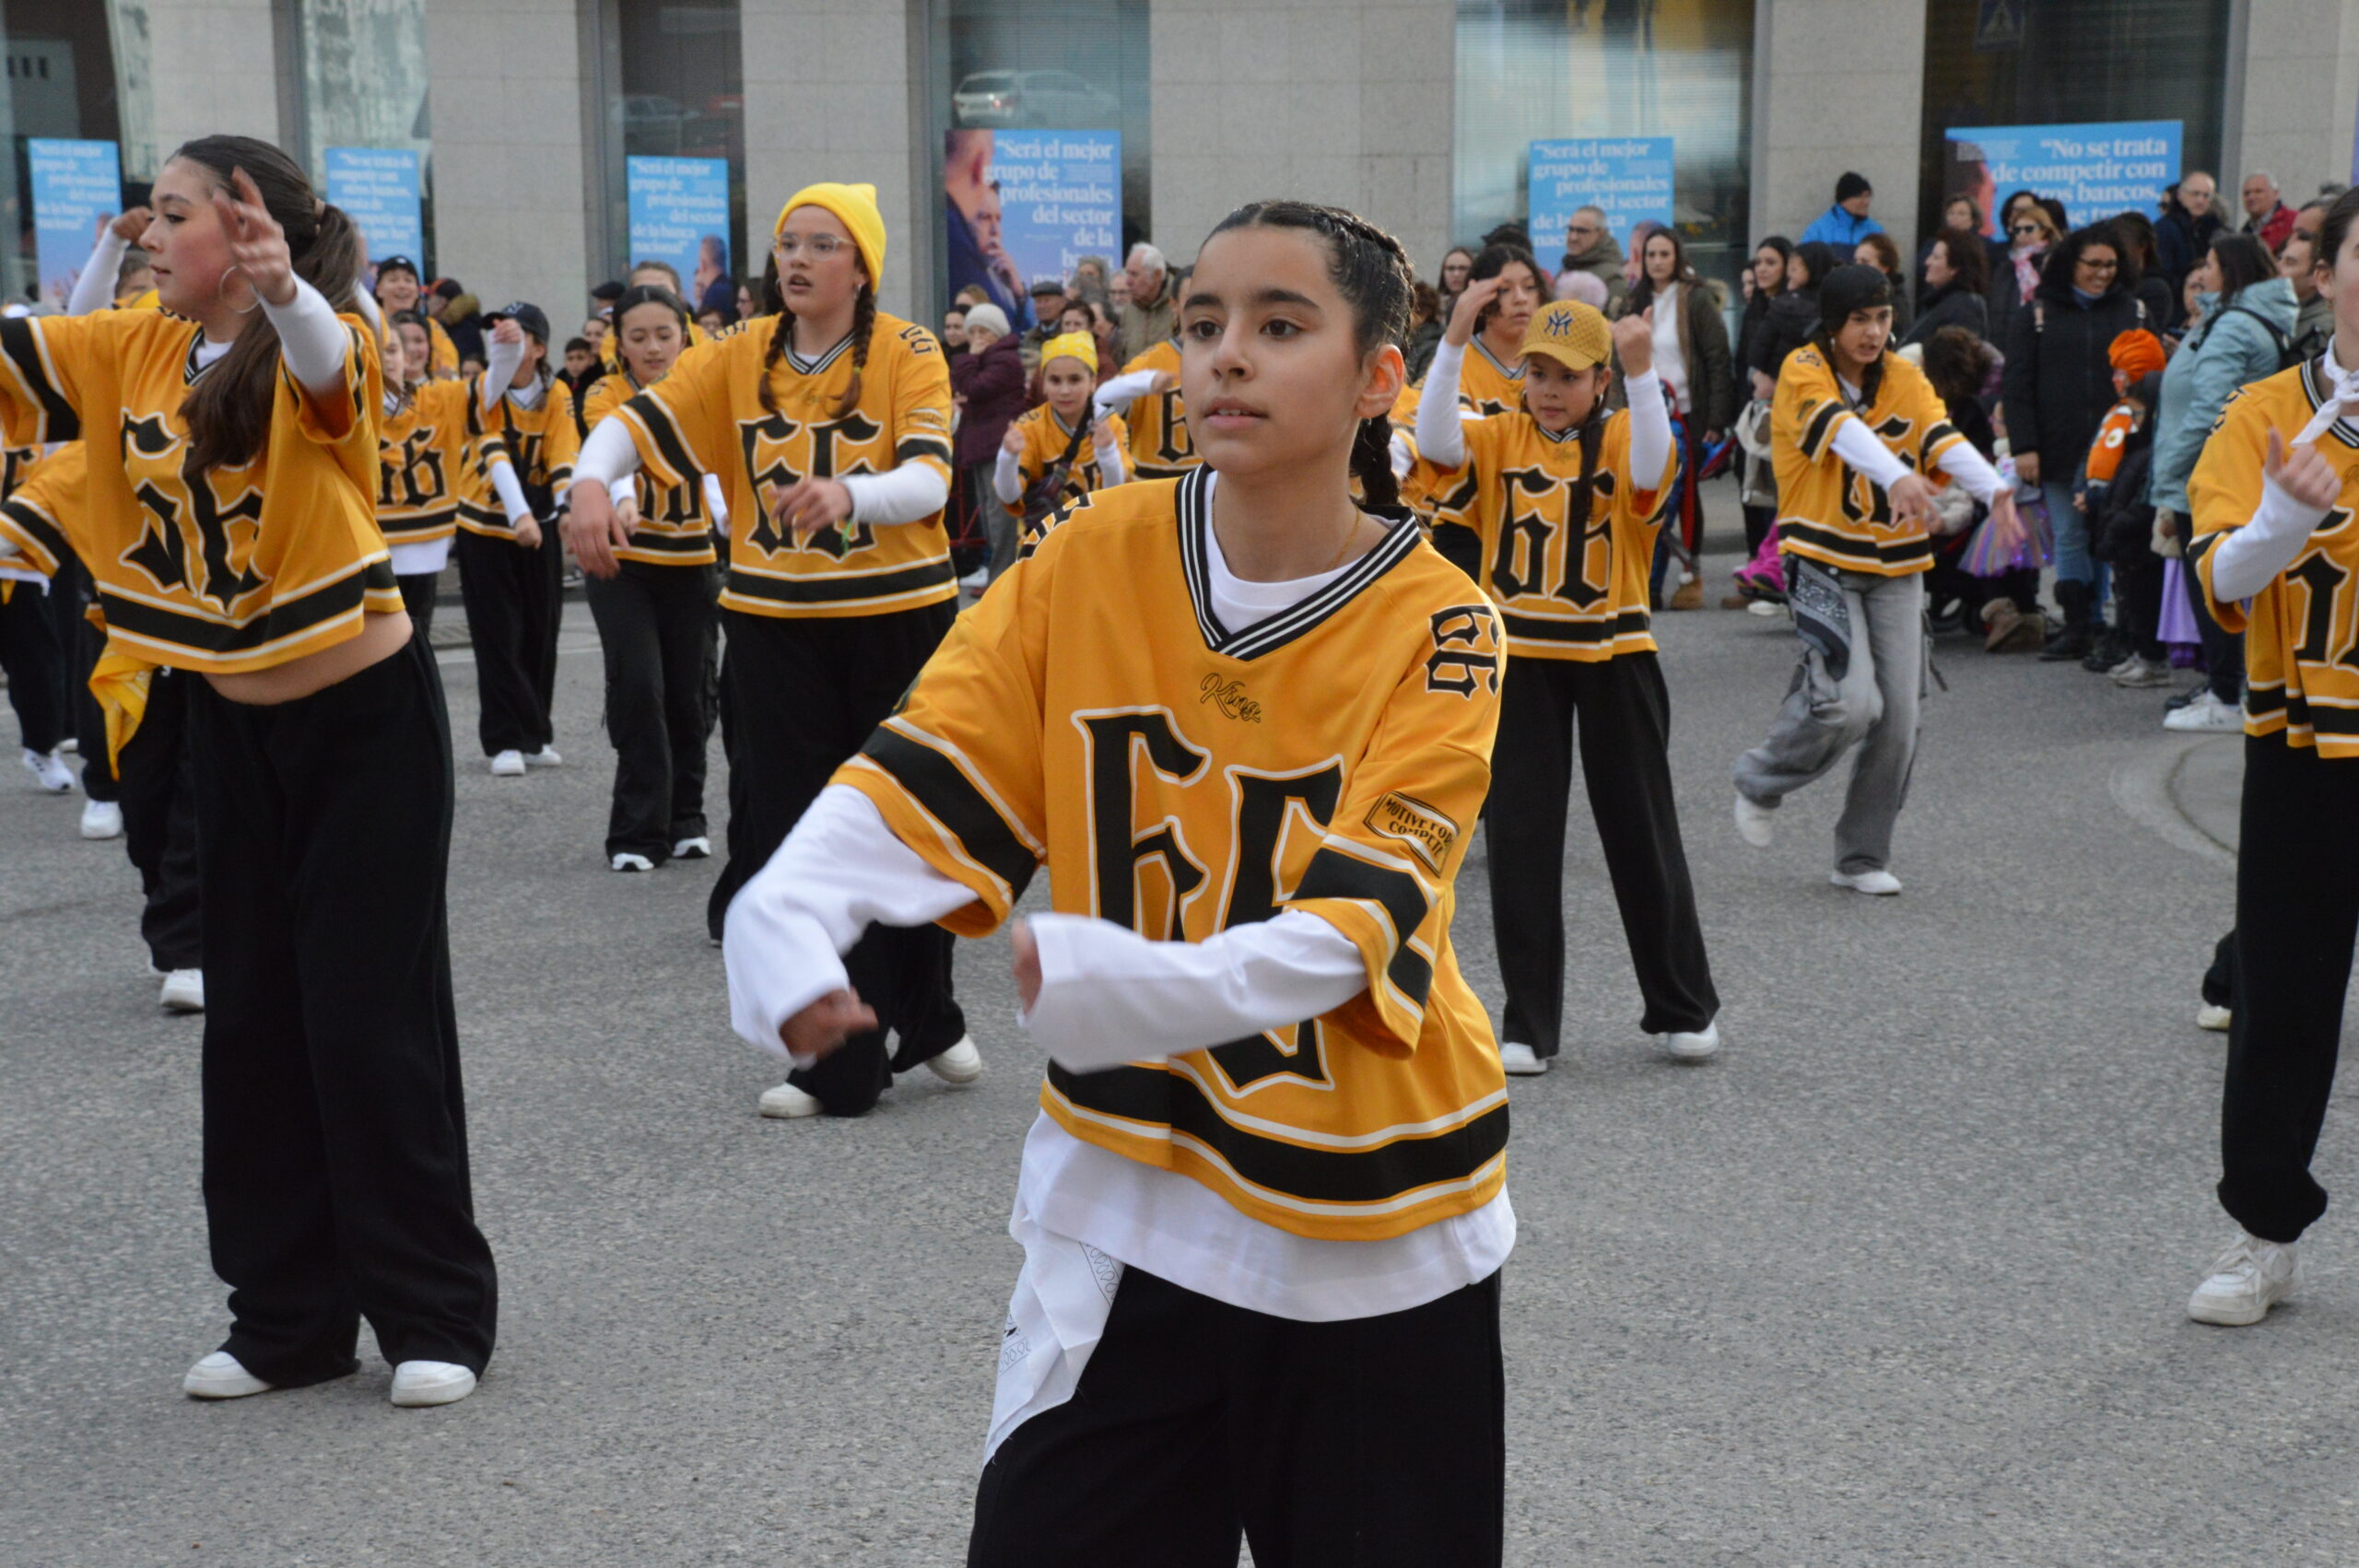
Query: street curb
[2142, 786]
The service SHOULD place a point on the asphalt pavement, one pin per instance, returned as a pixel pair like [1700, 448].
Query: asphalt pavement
[1899, 1279]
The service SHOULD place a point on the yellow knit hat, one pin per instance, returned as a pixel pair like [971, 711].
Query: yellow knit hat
[1572, 332]
[855, 206]
[1072, 346]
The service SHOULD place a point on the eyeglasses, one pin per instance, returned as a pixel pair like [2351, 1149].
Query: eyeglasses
[1580, 229]
[2095, 265]
[2025, 228]
[821, 246]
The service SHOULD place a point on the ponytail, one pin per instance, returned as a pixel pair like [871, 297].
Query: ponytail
[228, 409]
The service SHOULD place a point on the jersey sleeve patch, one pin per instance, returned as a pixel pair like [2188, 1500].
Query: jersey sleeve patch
[1424, 831]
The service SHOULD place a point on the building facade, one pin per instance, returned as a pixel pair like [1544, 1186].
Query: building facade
[532, 122]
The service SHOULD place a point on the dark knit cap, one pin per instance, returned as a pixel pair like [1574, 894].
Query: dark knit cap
[1852, 185]
[1849, 288]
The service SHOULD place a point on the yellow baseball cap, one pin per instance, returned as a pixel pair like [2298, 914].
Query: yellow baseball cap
[1571, 333]
[855, 206]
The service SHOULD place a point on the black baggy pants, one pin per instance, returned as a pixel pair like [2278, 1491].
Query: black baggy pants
[660, 628]
[1376, 1442]
[2298, 909]
[335, 1154]
[418, 598]
[802, 694]
[34, 663]
[89, 720]
[1623, 712]
[156, 782]
[514, 603]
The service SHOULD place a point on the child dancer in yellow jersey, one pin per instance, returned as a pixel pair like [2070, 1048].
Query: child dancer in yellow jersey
[2276, 546]
[1246, 726]
[233, 468]
[1066, 433]
[399, 293]
[829, 425]
[422, 451]
[653, 585]
[1854, 431]
[1490, 379]
[1563, 499]
[1147, 392]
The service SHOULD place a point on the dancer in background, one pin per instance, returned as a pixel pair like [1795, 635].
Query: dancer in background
[1065, 437]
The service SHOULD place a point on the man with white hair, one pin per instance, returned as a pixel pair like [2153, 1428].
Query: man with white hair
[1149, 316]
[2266, 217]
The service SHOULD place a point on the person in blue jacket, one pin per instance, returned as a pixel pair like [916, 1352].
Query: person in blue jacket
[1845, 223]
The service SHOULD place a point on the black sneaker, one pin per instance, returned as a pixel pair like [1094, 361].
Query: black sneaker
[2110, 649]
[2185, 698]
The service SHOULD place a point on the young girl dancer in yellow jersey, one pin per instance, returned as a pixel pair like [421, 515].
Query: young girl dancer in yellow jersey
[652, 585]
[1068, 431]
[422, 449]
[829, 425]
[1246, 726]
[233, 466]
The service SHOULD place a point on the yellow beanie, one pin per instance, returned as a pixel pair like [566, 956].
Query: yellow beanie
[855, 206]
[1072, 346]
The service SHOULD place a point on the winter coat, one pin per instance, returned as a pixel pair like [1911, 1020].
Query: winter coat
[2314, 326]
[1751, 334]
[1604, 260]
[2229, 348]
[2058, 381]
[1793, 318]
[1704, 347]
[1951, 304]
[1144, 326]
[2181, 240]
[2123, 528]
[994, 385]
[1837, 228]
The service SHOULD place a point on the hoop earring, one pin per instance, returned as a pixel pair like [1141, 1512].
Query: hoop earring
[220, 293]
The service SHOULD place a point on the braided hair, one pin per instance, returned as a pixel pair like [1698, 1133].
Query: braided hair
[863, 326]
[1371, 270]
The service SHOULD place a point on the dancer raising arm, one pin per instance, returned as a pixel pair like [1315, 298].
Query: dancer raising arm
[1066, 435]
[1246, 726]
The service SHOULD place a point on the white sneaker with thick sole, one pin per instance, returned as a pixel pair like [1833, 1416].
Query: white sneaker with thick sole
[697, 848]
[420, 1383]
[2139, 671]
[508, 765]
[2246, 1281]
[221, 1377]
[184, 992]
[101, 819]
[1694, 1045]
[977, 580]
[1521, 1061]
[1755, 823]
[960, 1065]
[786, 1102]
[1879, 884]
[546, 757]
[2215, 1019]
[625, 861]
[2207, 715]
[49, 773]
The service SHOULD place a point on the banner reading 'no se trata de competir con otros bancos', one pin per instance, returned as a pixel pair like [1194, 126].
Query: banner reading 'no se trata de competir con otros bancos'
[2095, 169]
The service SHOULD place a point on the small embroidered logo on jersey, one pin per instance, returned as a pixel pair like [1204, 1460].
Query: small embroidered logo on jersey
[1230, 699]
[1428, 833]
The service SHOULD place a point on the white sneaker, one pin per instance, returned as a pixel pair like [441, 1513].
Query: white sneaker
[1521, 1061]
[1763, 608]
[1755, 823]
[697, 848]
[627, 862]
[546, 757]
[786, 1102]
[2249, 1278]
[49, 773]
[509, 764]
[960, 1065]
[1880, 884]
[2207, 715]
[221, 1377]
[1695, 1047]
[977, 580]
[101, 819]
[2126, 662]
[69, 746]
[2135, 671]
[184, 992]
[2215, 1019]
[420, 1383]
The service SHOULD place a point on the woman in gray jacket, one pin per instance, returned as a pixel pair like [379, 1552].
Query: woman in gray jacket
[2248, 315]
[1692, 358]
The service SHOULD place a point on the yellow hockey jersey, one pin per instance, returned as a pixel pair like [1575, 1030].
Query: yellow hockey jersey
[1568, 572]
[675, 525]
[1829, 512]
[539, 443]
[1486, 384]
[44, 515]
[1160, 445]
[422, 449]
[706, 416]
[227, 570]
[1180, 776]
[2302, 631]
[1045, 439]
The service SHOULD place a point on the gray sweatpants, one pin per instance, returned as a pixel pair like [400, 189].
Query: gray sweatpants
[1872, 703]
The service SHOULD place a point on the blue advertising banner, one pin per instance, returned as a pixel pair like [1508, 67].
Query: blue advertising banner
[1023, 206]
[2094, 170]
[381, 190]
[1627, 177]
[74, 185]
[679, 214]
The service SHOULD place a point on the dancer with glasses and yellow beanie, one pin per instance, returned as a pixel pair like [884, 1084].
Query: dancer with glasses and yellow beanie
[1064, 439]
[829, 427]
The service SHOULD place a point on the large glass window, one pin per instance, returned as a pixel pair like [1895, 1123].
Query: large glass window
[677, 193]
[60, 83]
[1604, 75]
[362, 127]
[2087, 63]
[1021, 204]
